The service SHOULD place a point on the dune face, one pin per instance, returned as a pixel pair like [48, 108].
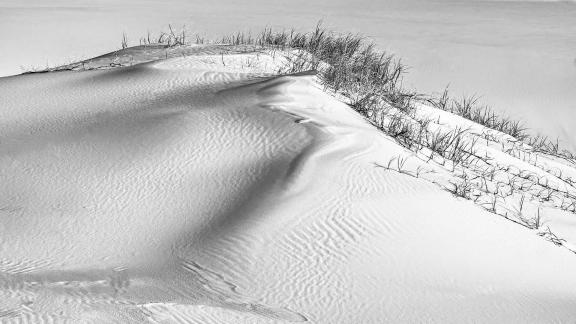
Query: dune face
[186, 191]
[131, 183]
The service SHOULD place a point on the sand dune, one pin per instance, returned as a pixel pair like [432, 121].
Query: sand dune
[204, 190]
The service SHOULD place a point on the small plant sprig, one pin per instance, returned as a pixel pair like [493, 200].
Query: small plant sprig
[124, 43]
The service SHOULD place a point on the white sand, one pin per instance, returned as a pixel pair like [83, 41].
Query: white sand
[185, 191]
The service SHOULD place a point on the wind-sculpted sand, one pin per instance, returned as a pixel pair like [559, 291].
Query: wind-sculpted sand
[189, 191]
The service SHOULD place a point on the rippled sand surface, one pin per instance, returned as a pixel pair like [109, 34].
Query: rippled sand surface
[204, 189]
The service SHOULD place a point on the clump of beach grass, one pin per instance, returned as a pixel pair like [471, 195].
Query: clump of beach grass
[470, 108]
[347, 63]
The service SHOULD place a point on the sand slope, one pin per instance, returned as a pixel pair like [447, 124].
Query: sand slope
[189, 191]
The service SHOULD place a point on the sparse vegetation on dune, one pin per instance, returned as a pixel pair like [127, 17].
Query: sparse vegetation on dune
[372, 83]
[351, 65]
[370, 80]
[169, 38]
[470, 108]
